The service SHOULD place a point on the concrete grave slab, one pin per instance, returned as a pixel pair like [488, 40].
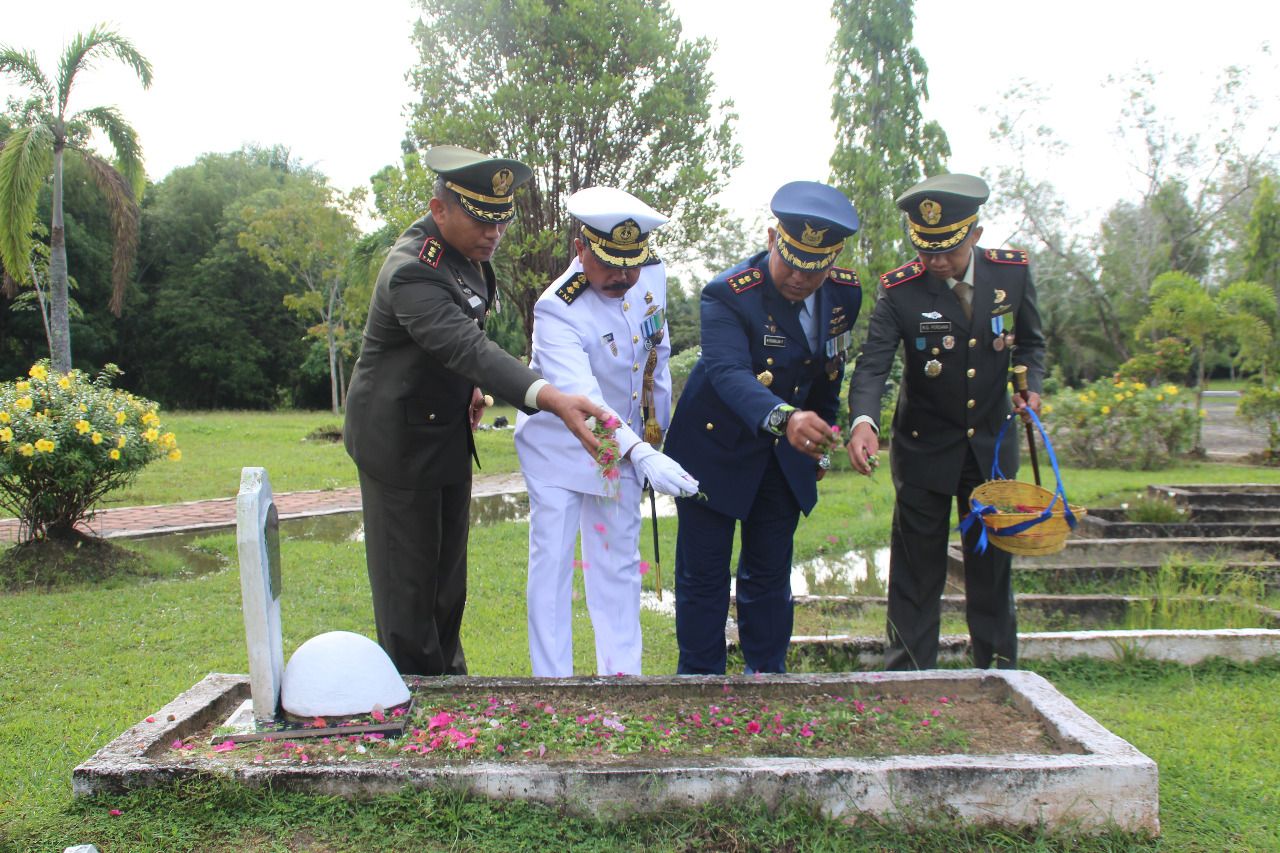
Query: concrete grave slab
[1095, 781]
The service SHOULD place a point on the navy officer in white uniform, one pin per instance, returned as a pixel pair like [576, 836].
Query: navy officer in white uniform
[599, 329]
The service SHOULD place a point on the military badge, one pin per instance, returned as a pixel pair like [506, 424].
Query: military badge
[502, 181]
[930, 211]
[765, 377]
[775, 341]
[648, 296]
[931, 315]
[432, 251]
[997, 343]
[948, 341]
[1008, 256]
[920, 343]
[745, 280]
[933, 368]
[573, 288]
[999, 295]
[812, 237]
[906, 272]
[627, 232]
[840, 275]
[935, 351]
[651, 328]
[608, 339]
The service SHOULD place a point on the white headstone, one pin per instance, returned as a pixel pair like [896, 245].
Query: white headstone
[258, 546]
[341, 673]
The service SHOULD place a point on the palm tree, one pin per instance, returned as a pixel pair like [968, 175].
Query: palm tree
[33, 150]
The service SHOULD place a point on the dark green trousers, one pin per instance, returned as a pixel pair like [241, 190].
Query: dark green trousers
[918, 574]
[416, 547]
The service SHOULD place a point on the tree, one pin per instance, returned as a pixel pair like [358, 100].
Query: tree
[1250, 319]
[883, 143]
[1262, 250]
[1181, 307]
[38, 147]
[587, 93]
[307, 233]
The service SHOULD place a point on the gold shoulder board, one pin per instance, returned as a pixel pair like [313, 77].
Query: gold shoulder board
[840, 275]
[1008, 256]
[573, 288]
[745, 280]
[906, 272]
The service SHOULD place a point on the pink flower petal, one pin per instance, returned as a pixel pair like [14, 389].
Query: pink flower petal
[115, 812]
[151, 719]
[225, 746]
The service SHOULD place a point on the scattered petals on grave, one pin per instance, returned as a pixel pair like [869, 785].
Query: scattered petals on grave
[550, 725]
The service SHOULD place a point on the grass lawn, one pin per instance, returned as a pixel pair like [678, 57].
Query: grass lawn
[81, 664]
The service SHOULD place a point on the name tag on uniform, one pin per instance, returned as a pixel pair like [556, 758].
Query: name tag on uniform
[775, 341]
[936, 326]
[475, 301]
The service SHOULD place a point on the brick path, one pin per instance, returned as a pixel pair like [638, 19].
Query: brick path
[221, 512]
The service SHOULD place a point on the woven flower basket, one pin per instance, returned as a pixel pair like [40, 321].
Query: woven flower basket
[1034, 533]
[1047, 537]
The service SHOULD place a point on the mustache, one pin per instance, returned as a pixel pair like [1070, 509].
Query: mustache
[621, 285]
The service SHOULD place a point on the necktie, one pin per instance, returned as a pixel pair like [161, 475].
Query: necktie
[806, 323]
[964, 292]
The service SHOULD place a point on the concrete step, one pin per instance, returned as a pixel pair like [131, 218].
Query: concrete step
[1232, 495]
[1094, 527]
[1200, 514]
[1144, 551]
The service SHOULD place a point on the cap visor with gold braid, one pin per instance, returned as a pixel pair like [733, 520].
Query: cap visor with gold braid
[616, 226]
[484, 186]
[942, 211]
[813, 222]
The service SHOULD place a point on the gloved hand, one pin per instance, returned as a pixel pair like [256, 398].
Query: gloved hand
[662, 472]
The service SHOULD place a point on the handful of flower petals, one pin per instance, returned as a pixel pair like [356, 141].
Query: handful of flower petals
[608, 459]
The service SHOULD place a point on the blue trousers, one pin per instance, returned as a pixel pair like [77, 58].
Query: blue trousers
[704, 547]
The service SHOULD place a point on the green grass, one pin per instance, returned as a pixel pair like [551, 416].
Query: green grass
[83, 663]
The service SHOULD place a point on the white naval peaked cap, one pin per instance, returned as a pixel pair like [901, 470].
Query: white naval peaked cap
[616, 225]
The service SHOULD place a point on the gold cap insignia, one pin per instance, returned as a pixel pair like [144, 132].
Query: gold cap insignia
[627, 232]
[810, 237]
[502, 181]
[931, 211]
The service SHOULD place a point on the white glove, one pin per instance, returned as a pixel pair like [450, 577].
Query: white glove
[662, 472]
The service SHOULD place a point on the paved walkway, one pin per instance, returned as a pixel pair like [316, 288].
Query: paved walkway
[217, 513]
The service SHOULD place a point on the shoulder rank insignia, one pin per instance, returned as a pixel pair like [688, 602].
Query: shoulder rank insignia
[906, 272]
[745, 280]
[840, 275]
[573, 288]
[1007, 256]
[432, 250]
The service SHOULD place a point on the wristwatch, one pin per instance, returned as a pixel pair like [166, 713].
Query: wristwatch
[777, 420]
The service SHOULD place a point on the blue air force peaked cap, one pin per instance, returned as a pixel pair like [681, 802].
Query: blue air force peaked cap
[484, 186]
[616, 226]
[942, 210]
[813, 222]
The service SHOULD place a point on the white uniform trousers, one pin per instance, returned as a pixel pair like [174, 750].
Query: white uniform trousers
[610, 529]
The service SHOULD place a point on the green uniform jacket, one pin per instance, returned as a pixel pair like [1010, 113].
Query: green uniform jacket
[954, 380]
[424, 351]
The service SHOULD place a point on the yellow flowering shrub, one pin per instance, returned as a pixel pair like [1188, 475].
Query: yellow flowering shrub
[67, 440]
[1139, 426]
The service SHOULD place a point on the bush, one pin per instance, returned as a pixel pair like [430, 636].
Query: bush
[1119, 424]
[1166, 359]
[65, 441]
[681, 366]
[1260, 406]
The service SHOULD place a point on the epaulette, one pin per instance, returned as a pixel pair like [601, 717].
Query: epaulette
[432, 251]
[840, 275]
[745, 280]
[1008, 256]
[573, 288]
[906, 272]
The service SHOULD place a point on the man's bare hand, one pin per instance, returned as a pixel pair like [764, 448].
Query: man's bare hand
[1024, 400]
[864, 447]
[476, 411]
[809, 434]
[573, 409]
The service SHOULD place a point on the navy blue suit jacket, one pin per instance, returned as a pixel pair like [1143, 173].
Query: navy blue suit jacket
[749, 329]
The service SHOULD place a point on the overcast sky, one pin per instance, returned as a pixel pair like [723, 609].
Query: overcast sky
[330, 85]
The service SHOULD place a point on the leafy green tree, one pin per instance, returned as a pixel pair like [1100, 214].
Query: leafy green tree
[307, 232]
[209, 327]
[1262, 252]
[38, 148]
[883, 143]
[1181, 307]
[587, 93]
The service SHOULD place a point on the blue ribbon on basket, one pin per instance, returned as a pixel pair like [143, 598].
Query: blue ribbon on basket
[978, 509]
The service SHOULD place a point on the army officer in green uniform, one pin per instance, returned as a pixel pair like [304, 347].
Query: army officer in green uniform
[415, 399]
[962, 313]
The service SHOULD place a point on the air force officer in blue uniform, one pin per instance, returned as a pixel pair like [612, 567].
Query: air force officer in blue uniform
[754, 423]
